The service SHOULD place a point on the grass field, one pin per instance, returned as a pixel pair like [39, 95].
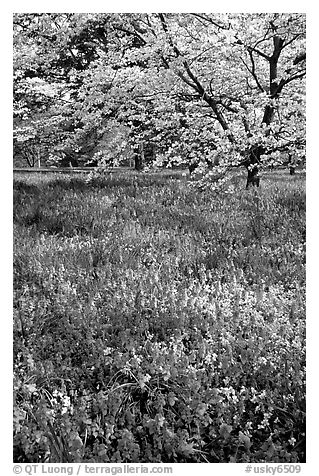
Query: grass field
[154, 323]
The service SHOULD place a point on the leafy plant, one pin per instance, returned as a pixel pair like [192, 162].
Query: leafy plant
[157, 323]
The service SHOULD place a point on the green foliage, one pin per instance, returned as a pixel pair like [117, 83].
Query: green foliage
[154, 323]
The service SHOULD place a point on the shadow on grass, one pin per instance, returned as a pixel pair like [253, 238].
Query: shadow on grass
[35, 185]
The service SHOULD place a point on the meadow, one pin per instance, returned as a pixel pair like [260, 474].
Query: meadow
[157, 323]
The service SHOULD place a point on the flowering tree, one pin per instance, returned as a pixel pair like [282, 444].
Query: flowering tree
[209, 91]
[241, 79]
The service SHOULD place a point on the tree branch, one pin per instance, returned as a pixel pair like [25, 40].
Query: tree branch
[195, 83]
[299, 58]
[253, 71]
[132, 33]
[251, 48]
[210, 20]
[283, 82]
[288, 42]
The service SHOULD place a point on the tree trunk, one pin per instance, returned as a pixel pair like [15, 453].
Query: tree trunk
[138, 163]
[139, 157]
[29, 159]
[253, 177]
[69, 157]
[292, 170]
[252, 166]
[192, 167]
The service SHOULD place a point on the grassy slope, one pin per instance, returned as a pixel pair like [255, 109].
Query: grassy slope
[154, 323]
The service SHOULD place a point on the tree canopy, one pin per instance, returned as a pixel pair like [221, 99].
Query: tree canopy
[212, 90]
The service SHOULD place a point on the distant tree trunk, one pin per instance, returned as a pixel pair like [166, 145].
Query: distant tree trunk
[292, 170]
[253, 177]
[139, 157]
[291, 164]
[252, 165]
[138, 162]
[28, 153]
[192, 167]
[29, 159]
[149, 152]
[69, 157]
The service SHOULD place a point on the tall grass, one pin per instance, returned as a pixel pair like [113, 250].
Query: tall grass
[154, 323]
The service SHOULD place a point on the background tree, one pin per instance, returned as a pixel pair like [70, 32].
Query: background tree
[208, 90]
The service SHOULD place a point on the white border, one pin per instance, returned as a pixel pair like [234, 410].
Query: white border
[312, 195]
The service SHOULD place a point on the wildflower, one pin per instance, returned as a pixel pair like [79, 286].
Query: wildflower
[292, 441]
[66, 404]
